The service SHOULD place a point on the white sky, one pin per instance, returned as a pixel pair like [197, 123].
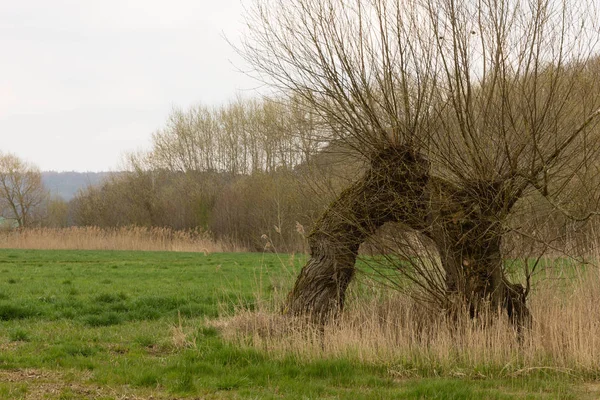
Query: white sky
[83, 81]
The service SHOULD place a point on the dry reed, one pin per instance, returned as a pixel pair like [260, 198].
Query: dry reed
[409, 339]
[122, 238]
[182, 338]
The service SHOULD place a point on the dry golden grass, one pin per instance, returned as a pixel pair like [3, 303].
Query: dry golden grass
[395, 331]
[182, 338]
[123, 238]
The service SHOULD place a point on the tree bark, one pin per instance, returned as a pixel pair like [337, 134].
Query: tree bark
[467, 230]
[464, 223]
[392, 189]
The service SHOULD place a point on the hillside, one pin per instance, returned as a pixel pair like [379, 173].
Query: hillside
[66, 184]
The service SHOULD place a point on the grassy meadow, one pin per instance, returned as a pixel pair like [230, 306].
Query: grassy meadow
[176, 325]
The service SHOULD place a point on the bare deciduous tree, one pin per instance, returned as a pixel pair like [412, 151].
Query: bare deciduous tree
[21, 189]
[462, 109]
[241, 137]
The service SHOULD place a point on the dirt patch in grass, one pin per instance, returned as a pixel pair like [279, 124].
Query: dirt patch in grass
[35, 384]
[10, 346]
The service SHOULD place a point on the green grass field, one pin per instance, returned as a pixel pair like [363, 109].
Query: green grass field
[115, 325]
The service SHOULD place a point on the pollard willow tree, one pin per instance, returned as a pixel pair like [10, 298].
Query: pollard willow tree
[460, 109]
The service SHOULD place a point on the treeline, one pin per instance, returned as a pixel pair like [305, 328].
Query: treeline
[249, 172]
[253, 174]
[240, 138]
[240, 209]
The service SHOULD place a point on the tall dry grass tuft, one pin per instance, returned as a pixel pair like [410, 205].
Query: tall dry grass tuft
[122, 238]
[182, 338]
[412, 340]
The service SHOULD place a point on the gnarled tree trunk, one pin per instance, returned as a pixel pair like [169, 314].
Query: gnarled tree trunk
[393, 189]
[467, 230]
[464, 223]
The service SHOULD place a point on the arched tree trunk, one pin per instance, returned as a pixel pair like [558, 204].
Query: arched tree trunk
[393, 189]
[467, 230]
[464, 223]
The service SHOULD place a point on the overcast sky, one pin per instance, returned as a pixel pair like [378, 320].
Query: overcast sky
[83, 81]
